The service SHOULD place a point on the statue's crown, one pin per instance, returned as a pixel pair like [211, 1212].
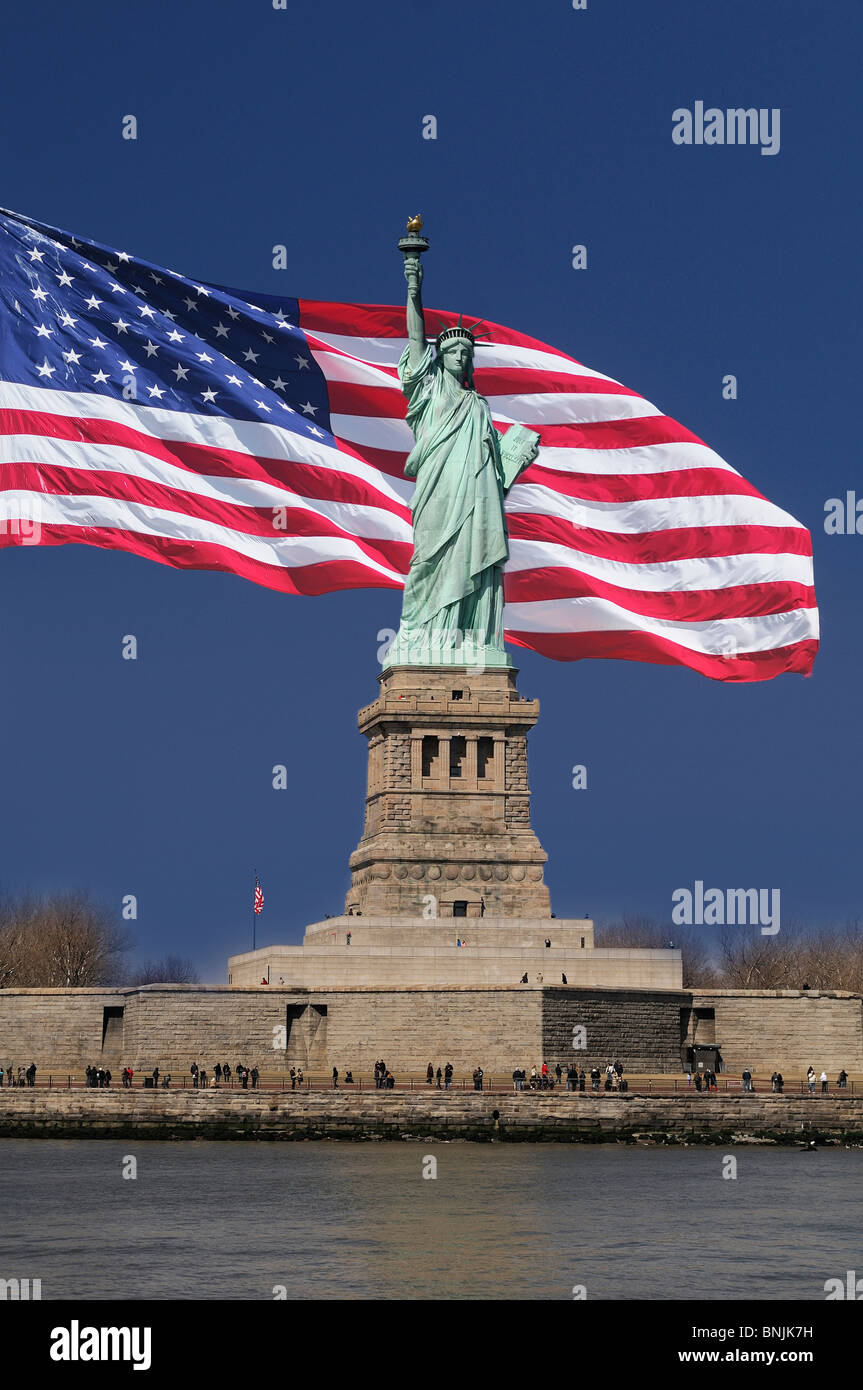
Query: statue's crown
[462, 331]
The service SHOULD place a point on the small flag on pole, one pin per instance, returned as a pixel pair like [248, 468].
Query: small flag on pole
[259, 898]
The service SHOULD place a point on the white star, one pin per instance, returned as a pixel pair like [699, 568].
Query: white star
[150, 348]
[278, 384]
[85, 265]
[203, 357]
[263, 407]
[139, 289]
[221, 331]
[46, 369]
[234, 380]
[156, 391]
[190, 304]
[209, 395]
[123, 256]
[233, 312]
[303, 361]
[181, 372]
[65, 279]
[93, 302]
[200, 289]
[251, 356]
[67, 320]
[128, 366]
[43, 331]
[280, 318]
[285, 406]
[109, 265]
[157, 279]
[147, 311]
[309, 409]
[36, 254]
[116, 289]
[72, 356]
[257, 308]
[268, 337]
[97, 342]
[175, 337]
[168, 315]
[314, 430]
[39, 293]
[121, 326]
[99, 376]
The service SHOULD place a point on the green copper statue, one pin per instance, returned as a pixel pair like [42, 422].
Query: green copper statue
[452, 612]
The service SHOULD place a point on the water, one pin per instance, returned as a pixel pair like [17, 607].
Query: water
[358, 1221]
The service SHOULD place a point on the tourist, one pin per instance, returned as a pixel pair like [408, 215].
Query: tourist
[390, 1081]
[429, 1074]
[595, 1078]
[226, 1073]
[547, 942]
[689, 1079]
[810, 1078]
[22, 1080]
[347, 938]
[439, 1077]
[2, 1074]
[523, 980]
[544, 1069]
[349, 1078]
[842, 1079]
[335, 1078]
[194, 1070]
[458, 941]
[31, 1074]
[618, 1067]
[155, 1076]
[558, 1071]
[572, 1078]
[563, 980]
[747, 1079]
[581, 1079]
[823, 1083]
[447, 1076]
[204, 1078]
[217, 1072]
[293, 1079]
[254, 1074]
[107, 1077]
[299, 1078]
[477, 1079]
[780, 1082]
[609, 1073]
[516, 1077]
[698, 1082]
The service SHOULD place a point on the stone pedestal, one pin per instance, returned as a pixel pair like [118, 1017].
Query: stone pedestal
[447, 830]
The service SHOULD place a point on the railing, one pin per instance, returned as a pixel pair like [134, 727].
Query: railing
[659, 1086]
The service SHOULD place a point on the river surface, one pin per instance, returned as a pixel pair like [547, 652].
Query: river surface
[221, 1220]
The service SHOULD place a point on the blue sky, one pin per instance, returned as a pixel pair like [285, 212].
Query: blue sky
[259, 126]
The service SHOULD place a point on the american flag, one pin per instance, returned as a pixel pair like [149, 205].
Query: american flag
[265, 436]
[259, 898]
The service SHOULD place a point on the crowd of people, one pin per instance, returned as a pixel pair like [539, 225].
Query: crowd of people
[25, 1076]
[573, 1077]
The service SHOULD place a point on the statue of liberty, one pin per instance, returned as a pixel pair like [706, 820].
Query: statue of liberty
[452, 611]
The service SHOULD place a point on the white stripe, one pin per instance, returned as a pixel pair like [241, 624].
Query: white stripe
[675, 576]
[285, 552]
[373, 432]
[253, 437]
[565, 408]
[651, 514]
[678, 456]
[357, 519]
[387, 351]
[720, 637]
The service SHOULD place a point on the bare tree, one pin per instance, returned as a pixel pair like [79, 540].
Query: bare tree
[64, 941]
[168, 970]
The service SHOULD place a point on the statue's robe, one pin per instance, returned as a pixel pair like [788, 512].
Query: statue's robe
[455, 580]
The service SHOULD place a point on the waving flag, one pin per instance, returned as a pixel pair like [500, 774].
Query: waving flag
[194, 425]
[259, 898]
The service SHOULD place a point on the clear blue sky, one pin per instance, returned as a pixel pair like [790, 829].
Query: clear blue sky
[259, 126]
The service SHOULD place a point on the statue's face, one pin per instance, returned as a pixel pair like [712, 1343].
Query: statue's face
[457, 356]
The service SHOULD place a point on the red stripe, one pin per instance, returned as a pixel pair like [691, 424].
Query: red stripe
[687, 605]
[654, 547]
[643, 646]
[305, 479]
[322, 578]
[252, 521]
[639, 487]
